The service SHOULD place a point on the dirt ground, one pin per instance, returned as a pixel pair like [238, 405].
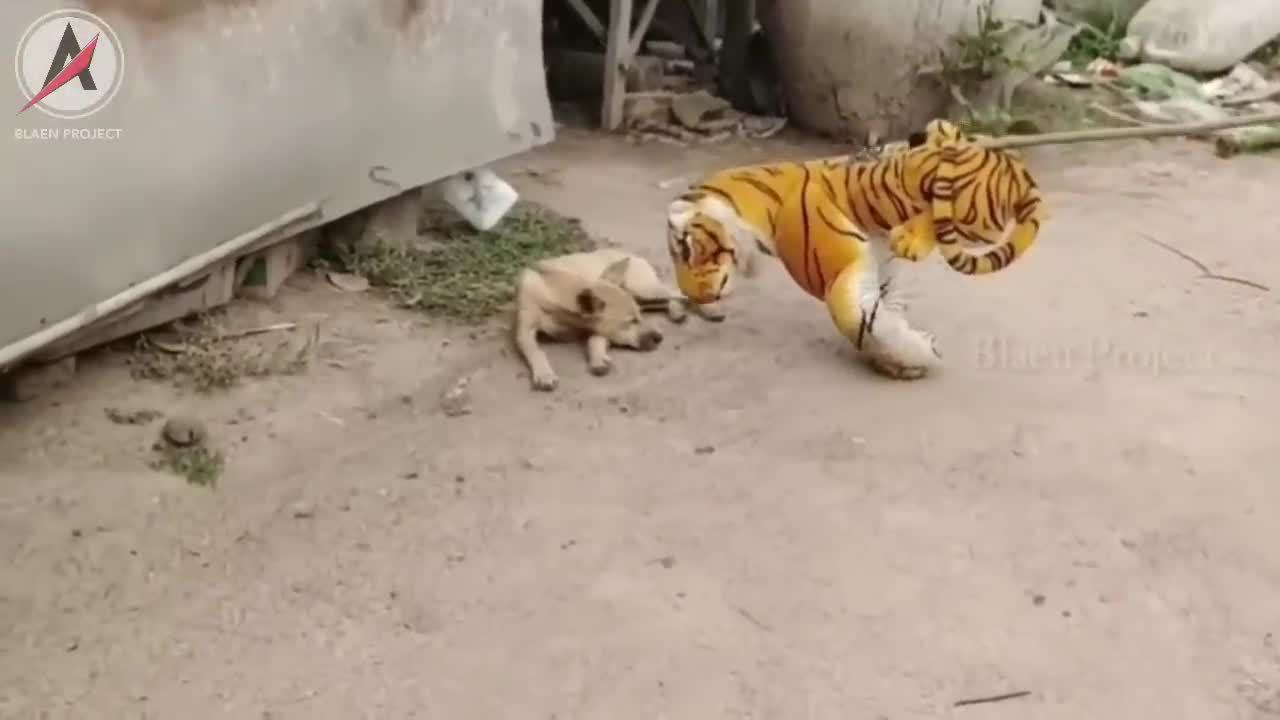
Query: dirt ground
[746, 524]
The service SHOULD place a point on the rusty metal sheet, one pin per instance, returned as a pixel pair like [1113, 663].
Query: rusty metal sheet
[227, 114]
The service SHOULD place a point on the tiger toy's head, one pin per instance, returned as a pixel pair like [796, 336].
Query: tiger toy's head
[708, 242]
[937, 133]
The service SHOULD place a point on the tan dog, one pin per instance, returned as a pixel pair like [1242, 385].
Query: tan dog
[600, 295]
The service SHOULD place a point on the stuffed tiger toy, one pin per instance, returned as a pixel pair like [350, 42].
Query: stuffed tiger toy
[940, 191]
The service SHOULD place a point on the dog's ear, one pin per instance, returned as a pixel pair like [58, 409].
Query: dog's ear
[616, 272]
[590, 303]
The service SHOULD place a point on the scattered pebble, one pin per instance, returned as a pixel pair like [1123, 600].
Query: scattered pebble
[348, 282]
[704, 449]
[131, 417]
[184, 431]
[302, 509]
[456, 402]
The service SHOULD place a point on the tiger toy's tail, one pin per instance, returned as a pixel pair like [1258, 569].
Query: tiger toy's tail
[983, 188]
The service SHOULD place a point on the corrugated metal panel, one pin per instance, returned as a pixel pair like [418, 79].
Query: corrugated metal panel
[232, 114]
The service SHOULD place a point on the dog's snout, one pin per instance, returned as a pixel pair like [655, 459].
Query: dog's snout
[650, 340]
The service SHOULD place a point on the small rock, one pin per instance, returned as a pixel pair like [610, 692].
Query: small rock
[1037, 600]
[131, 417]
[704, 450]
[646, 109]
[456, 402]
[302, 509]
[184, 431]
[691, 109]
[347, 282]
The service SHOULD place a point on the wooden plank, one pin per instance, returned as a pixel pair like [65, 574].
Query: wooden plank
[642, 27]
[616, 59]
[588, 17]
[212, 290]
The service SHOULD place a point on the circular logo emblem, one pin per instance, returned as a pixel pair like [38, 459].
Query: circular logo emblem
[69, 64]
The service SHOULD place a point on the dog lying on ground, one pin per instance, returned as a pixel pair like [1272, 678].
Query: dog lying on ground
[600, 295]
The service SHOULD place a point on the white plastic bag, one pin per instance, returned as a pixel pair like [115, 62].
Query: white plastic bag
[480, 197]
[1203, 35]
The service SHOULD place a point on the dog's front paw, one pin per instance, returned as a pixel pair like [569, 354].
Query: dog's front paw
[545, 382]
[602, 367]
[677, 312]
[710, 313]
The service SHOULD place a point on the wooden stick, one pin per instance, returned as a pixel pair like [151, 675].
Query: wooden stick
[992, 698]
[616, 60]
[1202, 127]
[589, 17]
[642, 27]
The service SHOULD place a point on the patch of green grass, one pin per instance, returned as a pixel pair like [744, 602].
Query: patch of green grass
[468, 276]
[978, 55]
[996, 123]
[199, 464]
[1095, 41]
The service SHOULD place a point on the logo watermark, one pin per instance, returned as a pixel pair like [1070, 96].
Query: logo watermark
[69, 65]
[1007, 355]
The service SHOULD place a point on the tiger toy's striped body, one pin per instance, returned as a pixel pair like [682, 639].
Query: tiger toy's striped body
[820, 217]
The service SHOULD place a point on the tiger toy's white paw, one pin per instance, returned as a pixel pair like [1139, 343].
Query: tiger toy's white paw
[910, 356]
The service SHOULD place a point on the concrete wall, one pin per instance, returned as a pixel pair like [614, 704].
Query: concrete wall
[234, 113]
[850, 67]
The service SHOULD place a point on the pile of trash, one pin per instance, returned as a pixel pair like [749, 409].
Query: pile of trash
[1158, 94]
[1166, 61]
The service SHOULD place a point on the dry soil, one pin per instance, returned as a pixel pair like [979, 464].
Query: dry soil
[746, 524]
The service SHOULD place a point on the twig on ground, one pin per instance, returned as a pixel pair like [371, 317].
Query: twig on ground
[1205, 272]
[234, 334]
[752, 618]
[992, 698]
